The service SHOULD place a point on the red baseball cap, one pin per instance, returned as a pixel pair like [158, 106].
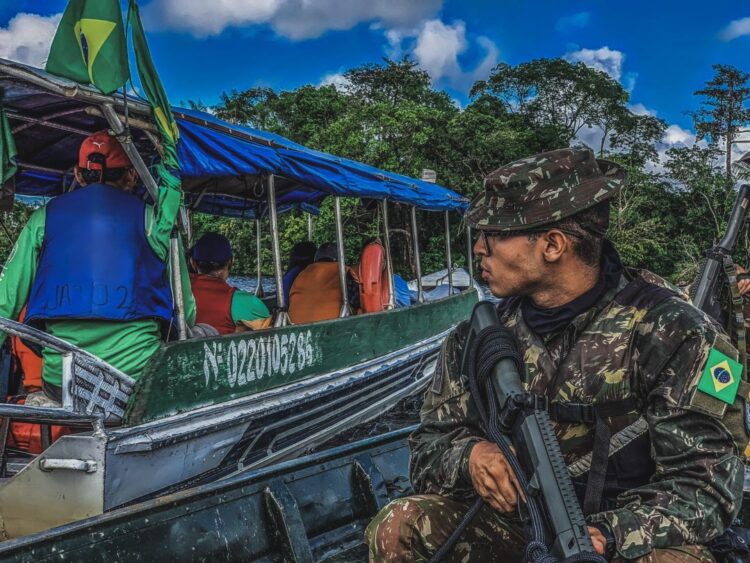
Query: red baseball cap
[103, 143]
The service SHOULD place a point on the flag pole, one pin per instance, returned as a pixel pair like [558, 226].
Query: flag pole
[128, 146]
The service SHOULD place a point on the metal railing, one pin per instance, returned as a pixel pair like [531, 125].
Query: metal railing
[91, 388]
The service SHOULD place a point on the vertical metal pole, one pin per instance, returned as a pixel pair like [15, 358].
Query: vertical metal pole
[258, 260]
[309, 226]
[469, 255]
[179, 304]
[342, 264]
[417, 263]
[448, 257]
[283, 318]
[388, 259]
[127, 145]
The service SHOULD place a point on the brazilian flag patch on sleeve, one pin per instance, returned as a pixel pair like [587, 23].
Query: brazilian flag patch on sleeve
[721, 377]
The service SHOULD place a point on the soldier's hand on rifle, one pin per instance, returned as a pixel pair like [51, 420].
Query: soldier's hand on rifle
[742, 285]
[493, 478]
[598, 539]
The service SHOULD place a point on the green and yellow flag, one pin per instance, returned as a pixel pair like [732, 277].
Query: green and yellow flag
[89, 46]
[154, 91]
[7, 149]
[721, 377]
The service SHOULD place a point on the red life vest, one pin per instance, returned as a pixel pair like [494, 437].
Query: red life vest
[213, 302]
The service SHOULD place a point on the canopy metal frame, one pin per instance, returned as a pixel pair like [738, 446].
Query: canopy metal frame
[345, 312]
[417, 261]
[259, 291]
[282, 318]
[388, 256]
[448, 257]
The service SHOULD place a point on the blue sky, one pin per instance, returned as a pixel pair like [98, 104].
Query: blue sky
[661, 50]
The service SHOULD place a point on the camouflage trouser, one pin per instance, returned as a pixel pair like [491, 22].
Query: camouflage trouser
[413, 528]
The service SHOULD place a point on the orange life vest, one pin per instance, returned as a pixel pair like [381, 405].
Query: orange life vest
[373, 278]
[316, 293]
[213, 302]
[31, 364]
[27, 436]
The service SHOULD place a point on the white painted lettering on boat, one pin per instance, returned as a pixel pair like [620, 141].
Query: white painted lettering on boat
[240, 362]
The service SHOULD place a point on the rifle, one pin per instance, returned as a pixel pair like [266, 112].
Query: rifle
[706, 293]
[492, 361]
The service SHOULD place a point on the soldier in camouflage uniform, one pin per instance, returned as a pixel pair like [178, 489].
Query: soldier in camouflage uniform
[624, 361]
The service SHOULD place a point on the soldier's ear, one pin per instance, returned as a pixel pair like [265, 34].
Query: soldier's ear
[554, 245]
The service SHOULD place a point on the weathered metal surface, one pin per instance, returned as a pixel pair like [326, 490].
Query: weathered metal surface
[210, 443]
[191, 374]
[309, 509]
[275, 425]
[39, 498]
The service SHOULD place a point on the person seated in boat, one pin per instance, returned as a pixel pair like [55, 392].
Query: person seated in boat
[93, 267]
[219, 304]
[401, 289]
[316, 292]
[302, 255]
[643, 389]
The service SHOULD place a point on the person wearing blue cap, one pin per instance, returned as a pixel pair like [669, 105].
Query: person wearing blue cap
[302, 255]
[219, 304]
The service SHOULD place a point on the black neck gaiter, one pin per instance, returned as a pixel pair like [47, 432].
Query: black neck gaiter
[545, 321]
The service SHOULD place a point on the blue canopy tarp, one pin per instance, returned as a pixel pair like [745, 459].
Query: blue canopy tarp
[210, 147]
[222, 163]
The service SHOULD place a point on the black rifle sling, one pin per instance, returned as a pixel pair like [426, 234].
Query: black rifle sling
[589, 413]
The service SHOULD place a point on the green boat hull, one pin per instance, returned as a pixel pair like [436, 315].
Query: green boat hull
[213, 408]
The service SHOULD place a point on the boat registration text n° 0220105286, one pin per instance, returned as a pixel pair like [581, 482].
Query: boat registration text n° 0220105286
[241, 362]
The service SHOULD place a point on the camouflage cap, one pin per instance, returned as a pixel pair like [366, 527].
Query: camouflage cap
[543, 189]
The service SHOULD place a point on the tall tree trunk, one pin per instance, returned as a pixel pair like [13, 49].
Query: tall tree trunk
[729, 154]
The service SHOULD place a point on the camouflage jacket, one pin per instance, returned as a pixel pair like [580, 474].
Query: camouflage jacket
[627, 345]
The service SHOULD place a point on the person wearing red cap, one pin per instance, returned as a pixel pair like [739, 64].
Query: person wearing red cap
[219, 304]
[93, 267]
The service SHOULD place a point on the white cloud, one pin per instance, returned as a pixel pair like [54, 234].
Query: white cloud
[294, 19]
[592, 138]
[742, 149]
[27, 38]
[676, 136]
[491, 57]
[736, 29]
[640, 109]
[337, 80]
[604, 59]
[438, 48]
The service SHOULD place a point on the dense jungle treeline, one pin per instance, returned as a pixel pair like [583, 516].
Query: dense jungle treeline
[390, 116]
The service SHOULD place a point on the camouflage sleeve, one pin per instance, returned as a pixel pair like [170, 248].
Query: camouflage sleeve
[449, 428]
[697, 440]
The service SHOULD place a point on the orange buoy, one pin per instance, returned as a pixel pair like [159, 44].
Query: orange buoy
[373, 278]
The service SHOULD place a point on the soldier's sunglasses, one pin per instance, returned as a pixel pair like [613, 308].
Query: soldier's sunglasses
[484, 235]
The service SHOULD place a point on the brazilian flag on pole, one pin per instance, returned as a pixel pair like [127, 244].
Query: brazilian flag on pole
[7, 148]
[90, 46]
[154, 91]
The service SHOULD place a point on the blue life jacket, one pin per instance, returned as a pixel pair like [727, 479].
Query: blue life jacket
[401, 288]
[96, 262]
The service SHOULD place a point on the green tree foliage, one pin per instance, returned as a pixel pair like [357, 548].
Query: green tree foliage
[556, 93]
[11, 223]
[390, 115]
[724, 109]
